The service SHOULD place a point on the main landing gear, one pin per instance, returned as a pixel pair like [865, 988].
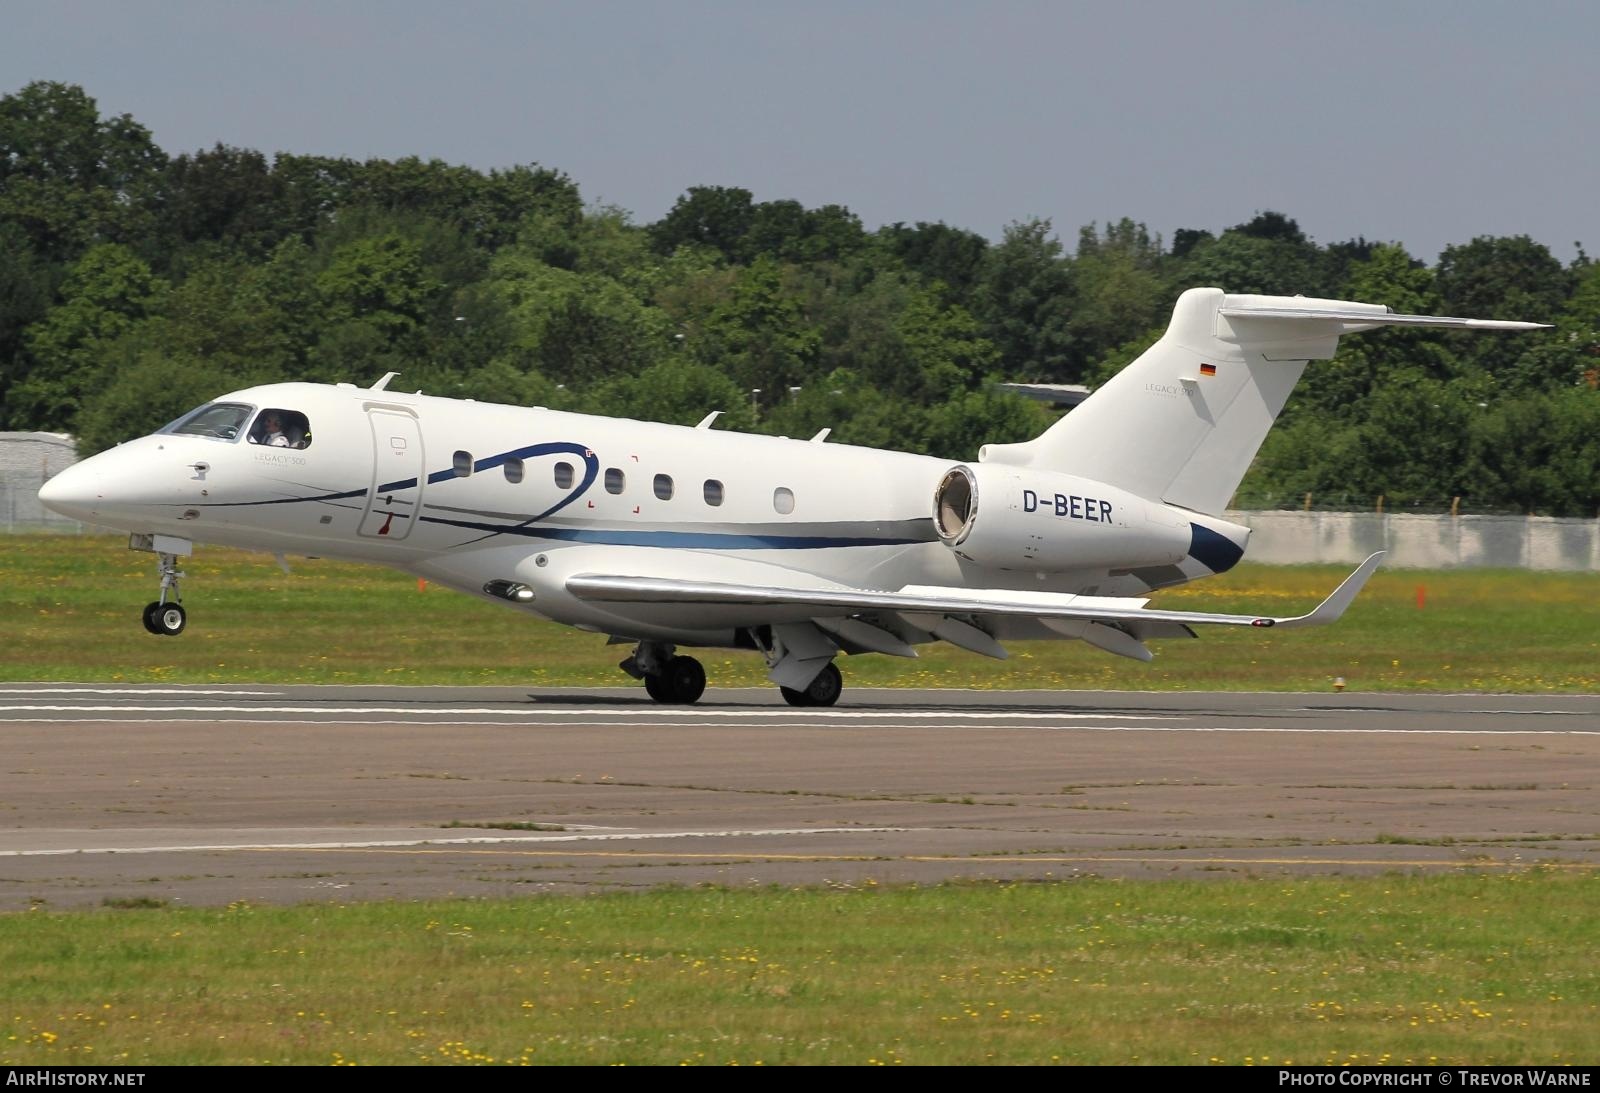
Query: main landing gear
[823, 691]
[668, 678]
[680, 681]
[162, 616]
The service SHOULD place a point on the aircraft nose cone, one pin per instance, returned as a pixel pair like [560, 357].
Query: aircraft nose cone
[73, 492]
[133, 486]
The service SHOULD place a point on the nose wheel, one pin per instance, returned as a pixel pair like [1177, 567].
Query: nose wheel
[166, 615]
[167, 619]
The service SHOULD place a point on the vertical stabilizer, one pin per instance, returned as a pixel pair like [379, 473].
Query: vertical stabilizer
[1182, 423]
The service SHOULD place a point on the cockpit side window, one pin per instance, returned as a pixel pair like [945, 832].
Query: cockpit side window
[277, 428]
[219, 420]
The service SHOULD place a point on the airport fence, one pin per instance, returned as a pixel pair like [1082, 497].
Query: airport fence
[20, 510]
[1422, 541]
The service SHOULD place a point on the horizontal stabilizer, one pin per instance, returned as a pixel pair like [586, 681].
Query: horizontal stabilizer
[941, 601]
[1352, 320]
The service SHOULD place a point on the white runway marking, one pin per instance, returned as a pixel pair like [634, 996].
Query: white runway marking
[802, 721]
[609, 723]
[471, 840]
[564, 711]
[12, 689]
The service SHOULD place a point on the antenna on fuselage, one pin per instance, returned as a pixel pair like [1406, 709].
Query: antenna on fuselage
[384, 382]
[705, 422]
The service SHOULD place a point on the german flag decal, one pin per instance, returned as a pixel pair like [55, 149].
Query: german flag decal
[1208, 369]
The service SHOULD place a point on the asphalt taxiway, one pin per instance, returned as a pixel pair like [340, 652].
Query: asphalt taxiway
[211, 794]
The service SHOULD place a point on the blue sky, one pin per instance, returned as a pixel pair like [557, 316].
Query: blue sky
[1425, 123]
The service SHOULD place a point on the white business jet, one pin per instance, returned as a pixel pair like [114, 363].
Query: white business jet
[664, 536]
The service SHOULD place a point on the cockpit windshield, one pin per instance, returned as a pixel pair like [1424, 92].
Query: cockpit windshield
[222, 420]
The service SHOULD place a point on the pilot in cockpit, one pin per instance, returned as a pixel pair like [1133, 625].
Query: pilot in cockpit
[278, 428]
[271, 431]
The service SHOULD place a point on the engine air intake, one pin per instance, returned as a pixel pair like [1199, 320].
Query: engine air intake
[954, 502]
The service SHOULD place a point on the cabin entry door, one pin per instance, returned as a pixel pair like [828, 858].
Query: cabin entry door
[398, 475]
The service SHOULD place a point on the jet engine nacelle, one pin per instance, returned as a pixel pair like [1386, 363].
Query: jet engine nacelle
[1014, 518]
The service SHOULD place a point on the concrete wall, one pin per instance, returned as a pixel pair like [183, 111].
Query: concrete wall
[1422, 542]
[26, 461]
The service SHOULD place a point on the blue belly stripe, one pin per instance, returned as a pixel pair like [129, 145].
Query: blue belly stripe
[683, 540]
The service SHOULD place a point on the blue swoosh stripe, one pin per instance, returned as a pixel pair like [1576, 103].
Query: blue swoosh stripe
[284, 500]
[683, 540]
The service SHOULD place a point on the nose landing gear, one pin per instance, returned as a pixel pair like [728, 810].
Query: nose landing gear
[165, 615]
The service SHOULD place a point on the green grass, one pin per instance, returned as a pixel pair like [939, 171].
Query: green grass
[71, 606]
[1469, 968]
[1441, 969]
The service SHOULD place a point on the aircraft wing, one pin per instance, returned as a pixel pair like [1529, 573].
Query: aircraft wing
[914, 600]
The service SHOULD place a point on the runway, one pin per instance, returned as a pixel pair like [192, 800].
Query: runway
[209, 795]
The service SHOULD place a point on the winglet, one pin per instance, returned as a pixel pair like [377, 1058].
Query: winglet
[1331, 608]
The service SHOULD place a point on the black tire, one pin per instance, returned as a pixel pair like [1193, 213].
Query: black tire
[169, 619]
[826, 688]
[150, 610]
[686, 680]
[658, 688]
[823, 691]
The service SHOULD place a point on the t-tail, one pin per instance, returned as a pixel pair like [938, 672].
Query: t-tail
[1182, 423]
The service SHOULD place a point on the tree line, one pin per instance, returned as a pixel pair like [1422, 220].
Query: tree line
[135, 285]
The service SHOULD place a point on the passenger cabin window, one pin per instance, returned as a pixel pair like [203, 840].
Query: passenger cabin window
[783, 500]
[277, 428]
[221, 420]
[713, 492]
[462, 464]
[615, 480]
[563, 476]
[513, 469]
[664, 487]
